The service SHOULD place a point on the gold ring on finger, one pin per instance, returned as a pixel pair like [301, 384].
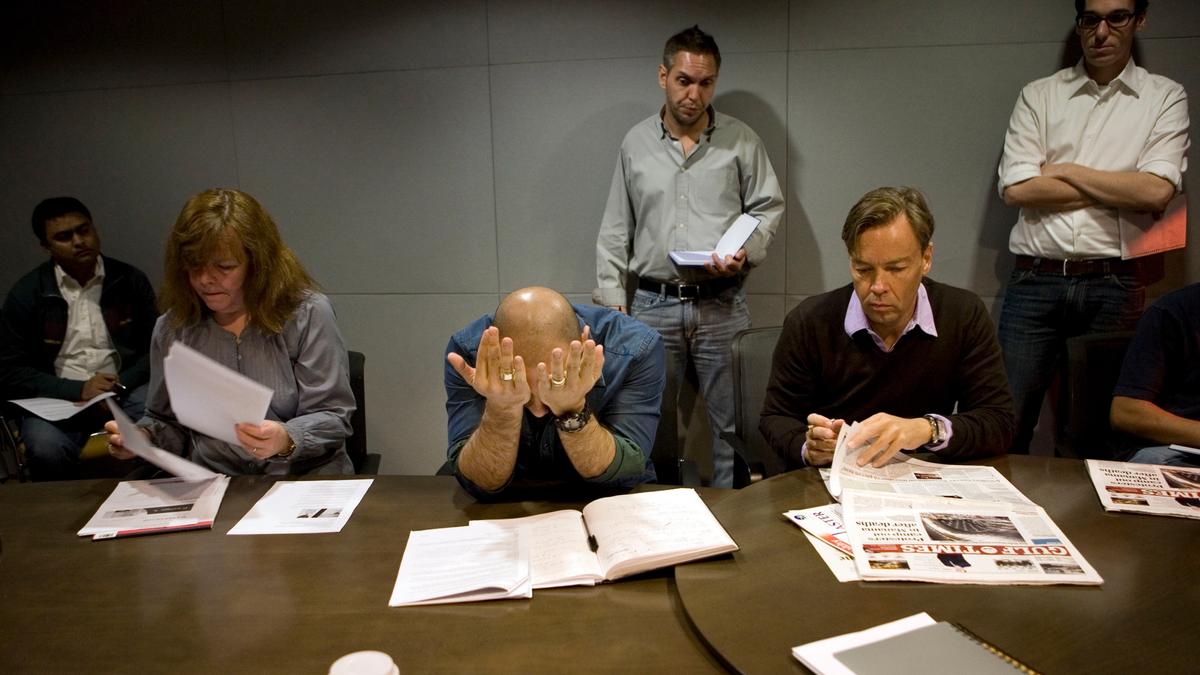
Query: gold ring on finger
[559, 382]
[506, 376]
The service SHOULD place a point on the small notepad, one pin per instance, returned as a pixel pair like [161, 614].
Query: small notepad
[734, 239]
[939, 648]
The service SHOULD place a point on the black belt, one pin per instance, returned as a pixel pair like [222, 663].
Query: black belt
[700, 289]
[1094, 267]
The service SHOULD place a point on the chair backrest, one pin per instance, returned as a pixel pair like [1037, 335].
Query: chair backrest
[1091, 371]
[356, 445]
[752, 352]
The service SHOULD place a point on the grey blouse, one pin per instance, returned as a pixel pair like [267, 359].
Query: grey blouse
[305, 365]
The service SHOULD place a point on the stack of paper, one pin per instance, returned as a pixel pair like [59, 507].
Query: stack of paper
[154, 506]
[1147, 488]
[211, 398]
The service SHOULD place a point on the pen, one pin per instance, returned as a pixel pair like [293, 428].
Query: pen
[591, 537]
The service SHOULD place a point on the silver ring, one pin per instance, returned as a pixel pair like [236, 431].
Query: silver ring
[559, 382]
[506, 376]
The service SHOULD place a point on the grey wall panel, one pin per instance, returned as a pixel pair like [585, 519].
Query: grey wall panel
[404, 338]
[58, 46]
[274, 38]
[382, 181]
[554, 162]
[859, 24]
[545, 30]
[132, 155]
[753, 88]
[864, 118]
[766, 309]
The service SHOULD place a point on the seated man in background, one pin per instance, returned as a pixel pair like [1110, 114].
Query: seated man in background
[893, 350]
[1157, 398]
[545, 392]
[75, 327]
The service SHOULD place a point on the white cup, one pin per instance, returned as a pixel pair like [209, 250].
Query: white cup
[365, 663]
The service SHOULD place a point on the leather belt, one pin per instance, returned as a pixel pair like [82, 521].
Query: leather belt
[1079, 268]
[685, 291]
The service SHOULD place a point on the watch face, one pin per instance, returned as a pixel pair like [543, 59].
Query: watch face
[574, 421]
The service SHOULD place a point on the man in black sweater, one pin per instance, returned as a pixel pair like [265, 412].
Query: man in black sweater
[893, 350]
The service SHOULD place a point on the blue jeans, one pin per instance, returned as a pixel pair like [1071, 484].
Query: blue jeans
[1162, 454]
[1040, 312]
[701, 331]
[52, 448]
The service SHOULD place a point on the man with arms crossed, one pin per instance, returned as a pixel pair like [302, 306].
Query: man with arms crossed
[73, 328]
[544, 392]
[893, 350]
[683, 176]
[1085, 148]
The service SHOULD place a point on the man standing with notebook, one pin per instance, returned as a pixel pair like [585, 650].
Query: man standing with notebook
[683, 176]
[1087, 148]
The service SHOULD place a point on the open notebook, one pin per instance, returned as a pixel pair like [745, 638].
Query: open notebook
[610, 538]
[733, 239]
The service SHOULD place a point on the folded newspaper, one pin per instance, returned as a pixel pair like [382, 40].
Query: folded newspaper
[959, 541]
[1147, 488]
[920, 521]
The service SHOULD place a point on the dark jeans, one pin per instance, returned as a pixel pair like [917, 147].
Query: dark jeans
[52, 448]
[1040, 312]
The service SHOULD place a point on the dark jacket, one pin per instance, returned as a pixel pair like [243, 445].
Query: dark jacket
[34, 324]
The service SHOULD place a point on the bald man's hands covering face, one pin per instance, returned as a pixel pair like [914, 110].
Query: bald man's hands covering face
[564, 384]
[498, 375]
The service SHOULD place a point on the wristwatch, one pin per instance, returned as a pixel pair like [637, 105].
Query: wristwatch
[574, 421]
[935, 430]
[290, 449]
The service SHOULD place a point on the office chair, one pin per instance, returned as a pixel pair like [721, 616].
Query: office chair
[356, 445]
[753, 460]
[12, 462]
[1092, 367]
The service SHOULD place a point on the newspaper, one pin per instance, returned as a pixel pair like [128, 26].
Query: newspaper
[1147, 488]
[958, 541]
[911, 476]
[822, 526]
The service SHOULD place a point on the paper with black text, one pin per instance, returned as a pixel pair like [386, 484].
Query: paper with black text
[152, 506]
[304, 507]
[210, 398]
[55, 409]
[731, 242]
[1156, 489]
[463, 564]
[559, 553]
[905, 474]
[135, 441]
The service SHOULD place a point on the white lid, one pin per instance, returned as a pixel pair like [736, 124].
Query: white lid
[364, 663]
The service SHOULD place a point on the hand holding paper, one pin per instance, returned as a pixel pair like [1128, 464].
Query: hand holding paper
[211, 398]
[732, 241]
[133, 440]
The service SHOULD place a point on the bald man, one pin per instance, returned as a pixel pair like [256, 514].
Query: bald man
[546, 393]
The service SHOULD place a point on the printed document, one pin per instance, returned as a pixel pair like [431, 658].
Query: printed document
[463, 564]
[55, 409]
[154, 506]
[909, 475]
[304, 507]
[210, 398]
[1147, 488]
[822, 526]
[733, 240]
[135, 441]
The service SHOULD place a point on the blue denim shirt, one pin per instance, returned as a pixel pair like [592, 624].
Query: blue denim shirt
[627, 400]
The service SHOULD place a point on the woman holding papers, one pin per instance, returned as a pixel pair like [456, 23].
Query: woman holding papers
[234, 292]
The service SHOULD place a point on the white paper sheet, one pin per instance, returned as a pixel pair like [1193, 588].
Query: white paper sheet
[819, 655]
[161, 505]
[210, 398]
[463, 564]
[55, 409]
[135, 441]
[304, 507]
[733, 240]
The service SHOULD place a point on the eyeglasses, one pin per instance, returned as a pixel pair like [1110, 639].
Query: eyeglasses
[1117, 19]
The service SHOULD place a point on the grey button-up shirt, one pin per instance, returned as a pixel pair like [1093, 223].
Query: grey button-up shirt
[306, 366]
[661, 201]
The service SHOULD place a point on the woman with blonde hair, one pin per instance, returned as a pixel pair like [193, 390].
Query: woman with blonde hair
[236, 293]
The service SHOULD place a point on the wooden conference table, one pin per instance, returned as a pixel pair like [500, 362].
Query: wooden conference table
[775, 593]
[204, 602]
